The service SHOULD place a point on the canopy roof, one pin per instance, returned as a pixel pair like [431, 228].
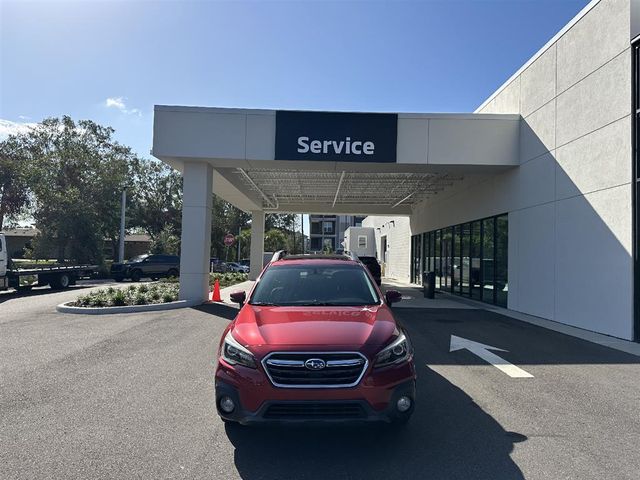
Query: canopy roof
[433, 152]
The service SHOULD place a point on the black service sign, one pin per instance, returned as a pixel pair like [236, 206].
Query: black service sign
[336, 137]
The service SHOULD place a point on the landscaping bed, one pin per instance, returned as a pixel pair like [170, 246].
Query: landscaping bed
[144, 294]
[165, 291]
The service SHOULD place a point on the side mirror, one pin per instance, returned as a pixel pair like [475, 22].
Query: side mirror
[392, 296]
[238, 297]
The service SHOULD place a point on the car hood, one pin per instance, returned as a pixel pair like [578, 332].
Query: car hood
[317, 326]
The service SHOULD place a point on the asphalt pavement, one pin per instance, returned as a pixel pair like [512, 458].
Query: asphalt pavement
[131, 396]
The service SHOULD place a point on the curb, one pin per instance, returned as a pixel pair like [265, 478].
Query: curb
[65, 308]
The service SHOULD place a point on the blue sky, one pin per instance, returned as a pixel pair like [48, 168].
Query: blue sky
[112, 61]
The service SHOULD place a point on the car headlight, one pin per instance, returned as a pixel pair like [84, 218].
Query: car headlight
[236, 354]
[398, 351]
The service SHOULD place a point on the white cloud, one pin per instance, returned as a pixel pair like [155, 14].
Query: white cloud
[7, 127]
[119, 104]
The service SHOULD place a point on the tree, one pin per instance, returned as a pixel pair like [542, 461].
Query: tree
[155, 198]
[166, 242]
[225, 218]
[79, 174]
[274, 240]
[15, 170]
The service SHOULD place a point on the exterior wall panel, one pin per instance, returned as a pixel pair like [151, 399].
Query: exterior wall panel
[569, 202]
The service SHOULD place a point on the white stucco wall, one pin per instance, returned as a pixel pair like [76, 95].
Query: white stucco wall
[569, 202]
[398, 233]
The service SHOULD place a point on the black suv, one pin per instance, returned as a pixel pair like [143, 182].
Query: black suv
[151, 266]
[374, 267]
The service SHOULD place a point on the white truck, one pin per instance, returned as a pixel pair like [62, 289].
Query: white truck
[24, 278]
[361, 241]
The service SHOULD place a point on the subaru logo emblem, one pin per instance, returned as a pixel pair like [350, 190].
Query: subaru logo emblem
[315, 364]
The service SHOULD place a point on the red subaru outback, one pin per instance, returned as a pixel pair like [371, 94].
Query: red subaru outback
[316, 341]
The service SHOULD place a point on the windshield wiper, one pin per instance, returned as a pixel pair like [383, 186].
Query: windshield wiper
[265, 304]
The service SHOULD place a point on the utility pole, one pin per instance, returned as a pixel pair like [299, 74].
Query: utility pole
[123, 207]
[239, 233]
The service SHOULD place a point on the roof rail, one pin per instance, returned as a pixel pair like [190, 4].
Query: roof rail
[352, 255]
[278, 255]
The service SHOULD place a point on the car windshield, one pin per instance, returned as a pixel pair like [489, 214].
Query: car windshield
[311, 285]
[138, 258]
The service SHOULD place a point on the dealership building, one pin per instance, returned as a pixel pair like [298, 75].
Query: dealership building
[529, 202]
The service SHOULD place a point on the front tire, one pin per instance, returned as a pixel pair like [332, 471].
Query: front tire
[136, 275]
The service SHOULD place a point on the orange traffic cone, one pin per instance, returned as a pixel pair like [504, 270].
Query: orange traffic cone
[215, 295]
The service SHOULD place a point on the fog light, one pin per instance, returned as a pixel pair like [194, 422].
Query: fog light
[226, 404]
[403, 404]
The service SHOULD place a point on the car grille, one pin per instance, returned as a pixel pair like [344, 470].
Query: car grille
[313, 411]
[287, 369]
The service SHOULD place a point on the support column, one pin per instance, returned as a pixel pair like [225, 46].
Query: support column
[257, 243]
[195, 248]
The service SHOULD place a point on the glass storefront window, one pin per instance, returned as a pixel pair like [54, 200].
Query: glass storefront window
[446, 257]
[466, 238]
[457, 266]
[469, 259]
[501, 283]
[425, 252]
[488, 261]
[474, 280]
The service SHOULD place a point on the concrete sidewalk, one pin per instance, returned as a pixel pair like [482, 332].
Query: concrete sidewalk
[225, 293]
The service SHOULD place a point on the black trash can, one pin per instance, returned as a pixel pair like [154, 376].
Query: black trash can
[429, 284]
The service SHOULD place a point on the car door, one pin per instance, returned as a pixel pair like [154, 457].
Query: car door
[152, 266]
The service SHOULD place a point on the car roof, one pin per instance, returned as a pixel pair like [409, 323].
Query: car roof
[329, 259]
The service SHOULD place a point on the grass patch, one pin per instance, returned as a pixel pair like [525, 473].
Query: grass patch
[132, 295]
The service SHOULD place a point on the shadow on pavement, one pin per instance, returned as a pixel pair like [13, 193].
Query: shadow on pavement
[218, 309]
[449, 437]
[526, 344]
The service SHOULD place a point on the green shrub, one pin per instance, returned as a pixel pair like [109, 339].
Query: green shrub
[169, 297]
[132, 295]
[118, 298]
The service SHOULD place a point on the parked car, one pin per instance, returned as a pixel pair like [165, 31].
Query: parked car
[218, 266]
[146, 266]
[236, 267]
[315, 340]
[374, 267]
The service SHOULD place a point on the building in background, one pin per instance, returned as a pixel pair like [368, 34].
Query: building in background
[19, 241]
[327, 231]
[529, 202]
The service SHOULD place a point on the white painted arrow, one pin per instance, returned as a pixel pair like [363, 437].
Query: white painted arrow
[483, 351]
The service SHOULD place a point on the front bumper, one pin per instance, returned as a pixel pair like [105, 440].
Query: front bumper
[257, 401]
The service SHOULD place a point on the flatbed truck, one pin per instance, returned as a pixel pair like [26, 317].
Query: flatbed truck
[24, 278]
